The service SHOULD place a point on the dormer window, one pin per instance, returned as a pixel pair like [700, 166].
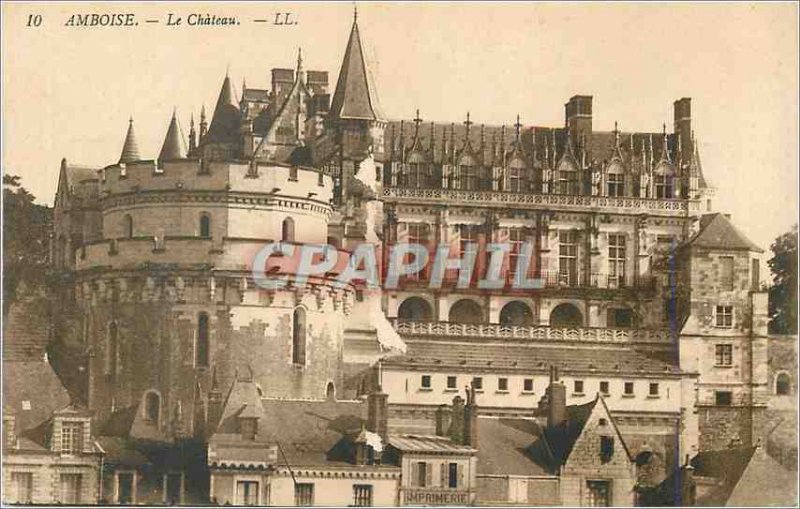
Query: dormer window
[71, 437]
[248, 426]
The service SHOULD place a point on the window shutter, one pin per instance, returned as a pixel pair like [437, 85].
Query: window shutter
[415, 474]
[443, 471]
[460, 469]
[428, 475]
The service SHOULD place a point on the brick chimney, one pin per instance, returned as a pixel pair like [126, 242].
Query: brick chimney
[683, 125]
[556, 399]
[456, 431]
[378, 413]
[578, 116]
[444, 417]
[471, 419]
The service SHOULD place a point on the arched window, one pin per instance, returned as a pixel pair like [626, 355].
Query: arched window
[201, 346]
[205, 225]
[465, 311]
[299, 336]
[516, 313]
[152, 406]
[330, 392]
[127, 225]
[566, 315]
[287, 230]
[415, 308]
[113, 348]
[783, 384]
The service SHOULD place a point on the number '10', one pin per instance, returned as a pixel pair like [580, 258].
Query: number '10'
[34, 20]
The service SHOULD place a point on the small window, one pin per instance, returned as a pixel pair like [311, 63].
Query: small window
[604, 388]
[724, 316]
[723, 355]
[477, 383]
[606, 448]
[451, 382]
[783, 385]
[247, 493]
[426, 382]
[578, 387]
[152, 407]
[527, 385]
[71, 437]
[205, 226]
[654, 389]
[362, 495]
[287, 230]
[422, 474]
[304, 494]
[502, 384]
[723, 398]
[628, 389]
[127, 226]
[248, 427]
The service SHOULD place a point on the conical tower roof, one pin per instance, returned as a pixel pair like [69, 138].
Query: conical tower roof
[130, 149]
[355, 96]
[225, 122]
[174, 146]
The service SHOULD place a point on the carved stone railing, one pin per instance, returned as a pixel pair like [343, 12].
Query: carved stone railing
[531, 332]
[549, 201]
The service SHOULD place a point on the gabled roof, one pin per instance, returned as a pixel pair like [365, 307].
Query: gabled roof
[130, 149]
[355, 97]
[717, 232]
[225, 122]
[174, 146]
[508, 446]
[33, 391]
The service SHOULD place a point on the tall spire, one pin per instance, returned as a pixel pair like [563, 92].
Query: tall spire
[173, 147]
[192, 134]
[203, 122]
[225, 121]
[354, 97]
[130, 149]
[300, 73]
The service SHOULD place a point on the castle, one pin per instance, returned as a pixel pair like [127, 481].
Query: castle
[650, 308]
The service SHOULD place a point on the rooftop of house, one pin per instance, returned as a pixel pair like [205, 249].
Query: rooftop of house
[32, 392]
[716, 231]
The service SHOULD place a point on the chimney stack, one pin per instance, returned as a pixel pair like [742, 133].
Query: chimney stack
[683, 125]
[378, 413]
[471, 419]
[456, 431]
[444, 417]
[556, 400]
[578, 116]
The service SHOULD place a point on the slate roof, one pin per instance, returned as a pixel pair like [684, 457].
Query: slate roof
[717, 232]
[130, 148]
[506, 447]
[355, 96]
[36, 383]
[26, 329]
[532, 358]
[428, 443]
[174, 146]
[225, 122]
[561, 439]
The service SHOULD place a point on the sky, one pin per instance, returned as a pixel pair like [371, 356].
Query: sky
[68, 92]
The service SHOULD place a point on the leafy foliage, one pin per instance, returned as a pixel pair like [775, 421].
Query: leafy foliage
[783, 293]
[26, 246]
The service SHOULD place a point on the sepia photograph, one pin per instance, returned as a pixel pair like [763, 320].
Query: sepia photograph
[399, 253]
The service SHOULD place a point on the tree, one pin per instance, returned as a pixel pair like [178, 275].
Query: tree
[26, 232]
[783, 293]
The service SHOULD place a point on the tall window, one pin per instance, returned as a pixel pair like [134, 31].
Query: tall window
[70, 489]
[514, 179]
[362, 495]
[304, 494]
[726, 272]
[616, 259]
[568, 257]
[201, 348]
[112, 350]
[615, 184]
[568, 182]
[469, 235]
[152, 407]
[783, 384]
[127, 223]
[126, 493]
[664, 186]
[452, 475]
[724, 316]
[417, 234]
[22, 483]
[205, 226]
[299, 336]
[606, 448]
[247, 493]
[469, 177]
[422, 474]
[516, 238]
[71, 437]
[723, 355]
[287, 230]
[417, 175]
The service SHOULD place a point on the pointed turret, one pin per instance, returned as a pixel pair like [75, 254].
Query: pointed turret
[174, 146]
[355, 96]
[192, 135]
[130, 149]
[203, 123]
[225, 121]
